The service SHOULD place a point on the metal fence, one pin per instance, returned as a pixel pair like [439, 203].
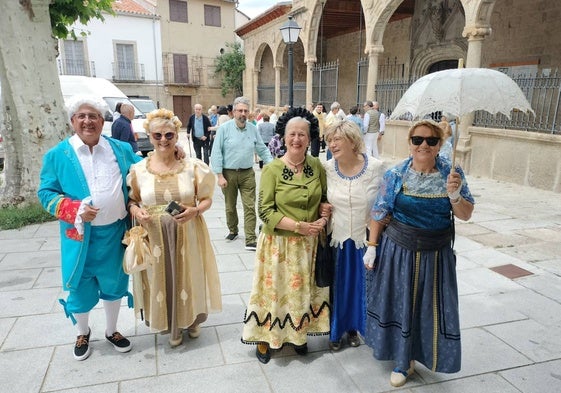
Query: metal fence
[298, 91]
[266, 95]
[542, 91]
[68, 66]
[361, 81]
[324, 83]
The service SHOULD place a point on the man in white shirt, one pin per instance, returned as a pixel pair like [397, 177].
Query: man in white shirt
[83, 184]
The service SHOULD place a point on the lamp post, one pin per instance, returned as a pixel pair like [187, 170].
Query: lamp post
[290, 31]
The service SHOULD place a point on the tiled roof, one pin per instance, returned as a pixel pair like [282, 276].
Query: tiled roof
[273, 13]
[130, 7]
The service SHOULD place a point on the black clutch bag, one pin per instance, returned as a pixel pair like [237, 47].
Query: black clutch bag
[174, 208]
[325, 261]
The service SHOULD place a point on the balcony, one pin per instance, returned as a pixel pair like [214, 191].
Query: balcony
[68, 66]
[128, 72]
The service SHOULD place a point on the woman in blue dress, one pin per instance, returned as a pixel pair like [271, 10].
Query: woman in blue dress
[353, 179]
[412, 292]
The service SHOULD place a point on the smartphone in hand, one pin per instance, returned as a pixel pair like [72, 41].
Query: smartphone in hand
[174, 208]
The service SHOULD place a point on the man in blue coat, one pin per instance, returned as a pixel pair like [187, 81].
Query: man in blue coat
[121, 128]
[83, 184]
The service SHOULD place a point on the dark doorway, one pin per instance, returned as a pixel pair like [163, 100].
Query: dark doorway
[443, 65]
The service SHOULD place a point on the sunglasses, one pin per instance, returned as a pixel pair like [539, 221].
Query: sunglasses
[431, 140]
[168, 135]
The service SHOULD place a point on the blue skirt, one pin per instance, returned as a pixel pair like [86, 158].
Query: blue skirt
[412, 307]
[348, 296]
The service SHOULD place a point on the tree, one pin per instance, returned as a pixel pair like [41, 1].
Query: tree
[33, 117]
[230, 65]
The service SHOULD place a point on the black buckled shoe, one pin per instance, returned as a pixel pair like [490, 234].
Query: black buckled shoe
[263, 357]
[353, 338]
[301, 350]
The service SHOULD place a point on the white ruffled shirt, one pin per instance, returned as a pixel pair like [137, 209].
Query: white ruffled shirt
[352, 199]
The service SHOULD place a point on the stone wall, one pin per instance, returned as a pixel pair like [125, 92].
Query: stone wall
[522, 35]
[521, 157]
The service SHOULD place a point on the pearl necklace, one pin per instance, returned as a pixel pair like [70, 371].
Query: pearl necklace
[295, 166]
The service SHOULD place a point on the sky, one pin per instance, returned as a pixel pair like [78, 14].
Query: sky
[252, 8]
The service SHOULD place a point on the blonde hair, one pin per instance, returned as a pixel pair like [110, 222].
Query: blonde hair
[162, 118]
[430, 124]
[348, 130]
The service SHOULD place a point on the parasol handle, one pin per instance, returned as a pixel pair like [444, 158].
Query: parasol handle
[456, 137]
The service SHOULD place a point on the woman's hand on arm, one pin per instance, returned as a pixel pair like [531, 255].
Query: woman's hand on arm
[325, 209]
[301, 227]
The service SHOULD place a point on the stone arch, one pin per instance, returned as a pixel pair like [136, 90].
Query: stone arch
[263, 64]
[478, 13]
[421, 63]
[299, 57]
[377, 15]
[314, 18]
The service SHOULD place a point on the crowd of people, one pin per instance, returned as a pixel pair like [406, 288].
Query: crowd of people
[391, 230]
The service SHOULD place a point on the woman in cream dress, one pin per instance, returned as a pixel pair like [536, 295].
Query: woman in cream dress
[181, 286]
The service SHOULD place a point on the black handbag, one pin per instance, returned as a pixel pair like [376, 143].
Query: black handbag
[325, 261]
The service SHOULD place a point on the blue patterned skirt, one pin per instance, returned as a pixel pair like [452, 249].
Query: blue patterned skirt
[412, 307]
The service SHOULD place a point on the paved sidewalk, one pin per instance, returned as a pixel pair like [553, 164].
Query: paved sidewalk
[510, 326]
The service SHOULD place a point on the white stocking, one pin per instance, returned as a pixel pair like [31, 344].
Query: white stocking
[111, 315]
[82, 324]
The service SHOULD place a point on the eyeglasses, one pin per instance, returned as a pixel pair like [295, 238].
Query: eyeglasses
[158, 135]
[84, 116]
[431, 140]
[242, 110]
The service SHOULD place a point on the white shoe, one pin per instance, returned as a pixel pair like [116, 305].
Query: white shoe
[399, 377]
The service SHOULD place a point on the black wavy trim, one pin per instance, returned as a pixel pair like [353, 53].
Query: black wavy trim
[287, 319]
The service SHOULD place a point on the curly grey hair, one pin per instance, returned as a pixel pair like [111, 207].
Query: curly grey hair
[75, 102]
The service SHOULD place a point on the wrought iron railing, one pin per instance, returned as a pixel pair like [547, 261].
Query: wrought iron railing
[124, 71]
[542, 91]
[68, 66]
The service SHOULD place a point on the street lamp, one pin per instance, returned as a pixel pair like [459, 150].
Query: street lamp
[290, 31]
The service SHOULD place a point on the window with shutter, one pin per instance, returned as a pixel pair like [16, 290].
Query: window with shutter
[212, 16]
[178, 11]
[180, 68]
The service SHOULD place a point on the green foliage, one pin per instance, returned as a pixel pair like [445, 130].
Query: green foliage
[230, 66]
[65, 12]
[13, 217]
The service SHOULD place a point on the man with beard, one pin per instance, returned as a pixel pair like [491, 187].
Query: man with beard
[232, 160]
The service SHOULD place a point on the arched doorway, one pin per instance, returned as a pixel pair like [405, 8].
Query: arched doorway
[443, 65]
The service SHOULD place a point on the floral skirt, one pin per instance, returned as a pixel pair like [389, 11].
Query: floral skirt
[285, 304]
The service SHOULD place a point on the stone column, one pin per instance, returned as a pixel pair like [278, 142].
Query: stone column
[475, 36]
[373, 52]
[310, 63]
[277, 85]
[255, 84]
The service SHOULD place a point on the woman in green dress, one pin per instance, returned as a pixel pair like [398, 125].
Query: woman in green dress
[285, 304]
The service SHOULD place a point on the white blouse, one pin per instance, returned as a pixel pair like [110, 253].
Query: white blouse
[352, 199]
